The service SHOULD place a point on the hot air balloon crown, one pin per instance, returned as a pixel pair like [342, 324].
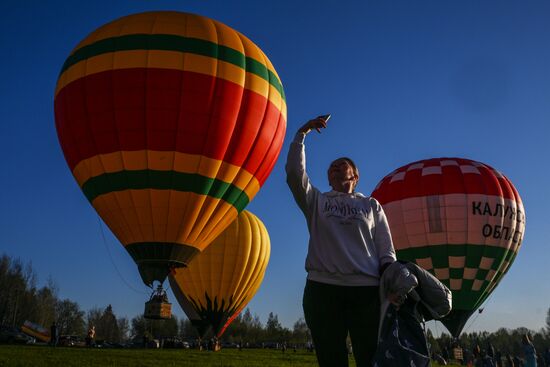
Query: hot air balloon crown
[458, 218]
[170, 122]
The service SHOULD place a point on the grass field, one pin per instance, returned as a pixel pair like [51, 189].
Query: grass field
[24, 356]
[11, 355]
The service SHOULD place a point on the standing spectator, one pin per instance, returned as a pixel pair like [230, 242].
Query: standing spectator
[540, 360]
[490, 357]
[498, 359]
[349, 246]
[478, 356]
[90, 337]
[53, 335]
[510, 361]
[529, 352]
[446, 353]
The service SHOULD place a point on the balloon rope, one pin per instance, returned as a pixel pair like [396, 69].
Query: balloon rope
[471, 322]
[113, 261]
[479, 312]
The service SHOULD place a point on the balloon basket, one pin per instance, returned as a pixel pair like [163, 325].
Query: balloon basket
[158, 307]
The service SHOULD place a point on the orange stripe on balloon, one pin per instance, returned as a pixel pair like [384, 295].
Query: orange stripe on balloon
[157, 216]
[169, 22]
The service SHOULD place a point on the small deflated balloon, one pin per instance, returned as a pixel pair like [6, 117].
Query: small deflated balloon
[170, 122]
[221, 280]
[460, 219]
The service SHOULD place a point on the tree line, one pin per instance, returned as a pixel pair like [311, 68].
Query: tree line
[21, 299]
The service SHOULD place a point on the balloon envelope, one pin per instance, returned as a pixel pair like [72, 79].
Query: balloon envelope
[221, 281]
[460, 219]
[170, 122]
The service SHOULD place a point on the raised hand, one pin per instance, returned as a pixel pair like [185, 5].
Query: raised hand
[317, 123]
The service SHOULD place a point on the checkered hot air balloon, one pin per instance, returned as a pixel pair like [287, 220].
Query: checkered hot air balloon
[460, 219]
[221, 281]
[170, 122]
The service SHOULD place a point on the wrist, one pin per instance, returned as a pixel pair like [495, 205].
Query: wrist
[299, 137]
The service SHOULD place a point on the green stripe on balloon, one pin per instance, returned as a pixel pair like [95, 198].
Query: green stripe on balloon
[171, 42]
[165, 180]
[465, 300]
[498, 277]
[441, 253]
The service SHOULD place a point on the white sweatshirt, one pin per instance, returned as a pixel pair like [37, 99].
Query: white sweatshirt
[349, 234]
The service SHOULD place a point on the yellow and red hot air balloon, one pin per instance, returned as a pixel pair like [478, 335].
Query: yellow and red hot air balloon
[170, 122]
[460, 219]
[221, 281]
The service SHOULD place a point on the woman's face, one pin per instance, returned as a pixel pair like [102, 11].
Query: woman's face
[341, 176]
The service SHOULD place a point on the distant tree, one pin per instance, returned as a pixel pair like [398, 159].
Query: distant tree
[43, 312]
[254, 327]
[300, 332]
[501, 340]
[273, 326]
[236, 331]
[13, 288]
[432, 342]
[186, 330]
[245, 328]
[123, 329]
[168, 328]
[154, 328]
[539, 341]
[548, 322]
[445, 345]
[274, 331]
[20, 299]
[139, 327]
[93, 316]
[69, 318]
[107, 326]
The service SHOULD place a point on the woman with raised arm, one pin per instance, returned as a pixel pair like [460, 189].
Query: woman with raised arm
[349, 246]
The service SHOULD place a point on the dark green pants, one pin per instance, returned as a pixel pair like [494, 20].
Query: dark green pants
[331, 311]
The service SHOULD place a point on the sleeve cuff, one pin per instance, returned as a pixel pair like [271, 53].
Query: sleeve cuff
[384, 266]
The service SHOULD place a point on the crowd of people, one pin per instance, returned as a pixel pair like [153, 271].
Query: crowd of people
[488, 356]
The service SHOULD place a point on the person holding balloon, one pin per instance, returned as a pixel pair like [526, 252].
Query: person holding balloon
[349, 246]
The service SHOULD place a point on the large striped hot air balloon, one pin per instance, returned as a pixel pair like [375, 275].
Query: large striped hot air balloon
[460, 219]
[170, 122]
[221, 281]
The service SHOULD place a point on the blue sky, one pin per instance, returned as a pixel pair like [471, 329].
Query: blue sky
[403, 80]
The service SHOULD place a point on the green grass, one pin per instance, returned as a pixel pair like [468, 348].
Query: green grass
[11, 356]
[39, 356]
